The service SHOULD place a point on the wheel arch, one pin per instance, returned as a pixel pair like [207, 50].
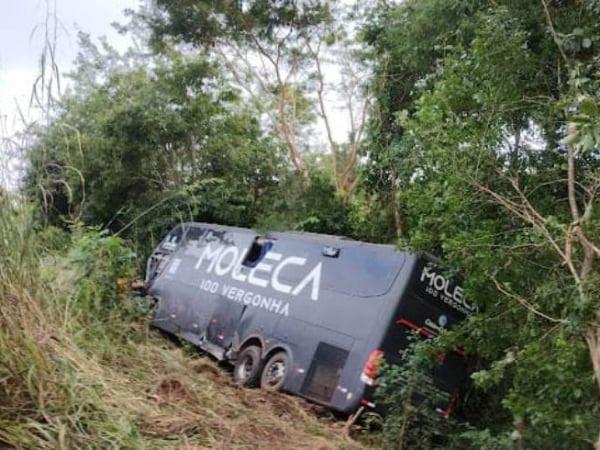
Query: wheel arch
[253, 339]
[276, 348]
[267, 348]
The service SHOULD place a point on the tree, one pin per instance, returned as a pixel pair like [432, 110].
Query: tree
[282, 56]
[407, 44]
[147, 146]
[486, 122]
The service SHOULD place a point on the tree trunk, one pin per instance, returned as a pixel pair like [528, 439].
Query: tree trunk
[592, 337]
[399, 221]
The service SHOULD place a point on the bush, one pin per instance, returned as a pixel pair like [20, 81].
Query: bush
[411, 421]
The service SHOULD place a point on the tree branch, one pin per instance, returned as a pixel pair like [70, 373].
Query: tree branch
[524, 302]
[555, 37]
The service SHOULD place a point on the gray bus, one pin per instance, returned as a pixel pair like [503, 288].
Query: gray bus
[308, 314]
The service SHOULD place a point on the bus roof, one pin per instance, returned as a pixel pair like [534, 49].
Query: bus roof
[326, 239]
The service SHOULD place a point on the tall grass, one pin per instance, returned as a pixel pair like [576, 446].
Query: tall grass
[52, 394]
[80, 368]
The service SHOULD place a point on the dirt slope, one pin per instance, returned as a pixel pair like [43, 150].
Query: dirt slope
[194, 402]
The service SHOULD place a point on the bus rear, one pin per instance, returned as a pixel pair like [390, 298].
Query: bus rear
[432, 302]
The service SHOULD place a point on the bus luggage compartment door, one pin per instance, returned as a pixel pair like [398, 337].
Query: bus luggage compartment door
[325, 372]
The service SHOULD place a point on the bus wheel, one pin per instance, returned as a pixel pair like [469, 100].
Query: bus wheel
[274, 372]
[247, 367]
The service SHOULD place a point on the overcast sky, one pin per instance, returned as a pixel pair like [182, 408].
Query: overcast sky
[21, 43]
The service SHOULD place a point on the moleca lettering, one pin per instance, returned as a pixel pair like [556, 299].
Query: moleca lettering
[443, 285]
[225, 260]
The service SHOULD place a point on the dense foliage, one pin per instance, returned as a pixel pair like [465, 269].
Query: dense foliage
[482, 147]
[483, 109]
[147, 145]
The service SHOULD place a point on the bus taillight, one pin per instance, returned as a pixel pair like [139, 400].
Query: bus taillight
[371, 368]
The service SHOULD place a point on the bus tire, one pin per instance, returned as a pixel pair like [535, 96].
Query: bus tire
[275, 372]
[248, 365]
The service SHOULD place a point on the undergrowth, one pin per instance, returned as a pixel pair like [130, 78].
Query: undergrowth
[80, 367]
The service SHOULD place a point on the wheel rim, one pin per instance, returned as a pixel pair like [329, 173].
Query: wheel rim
[275, 373]
[246, 368]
